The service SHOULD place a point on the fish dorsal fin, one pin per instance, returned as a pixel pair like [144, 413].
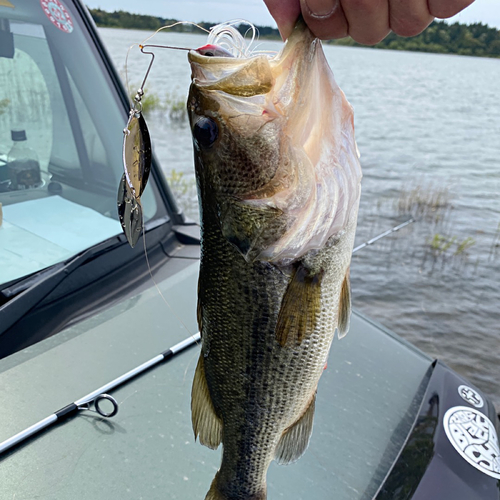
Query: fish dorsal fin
[294, 440]
[206, 424]
[344, 307]
[300, 307]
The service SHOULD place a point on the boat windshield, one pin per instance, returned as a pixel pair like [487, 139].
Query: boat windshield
[60, 141]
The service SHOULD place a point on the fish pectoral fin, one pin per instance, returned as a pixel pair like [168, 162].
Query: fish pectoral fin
[295, 439]
[206, 424]
[300, 307]
[344, 306]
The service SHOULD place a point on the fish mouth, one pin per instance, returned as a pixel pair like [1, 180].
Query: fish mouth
[248, 73]
[243, 77]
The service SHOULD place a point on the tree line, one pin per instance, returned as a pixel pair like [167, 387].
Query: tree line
[476, 39]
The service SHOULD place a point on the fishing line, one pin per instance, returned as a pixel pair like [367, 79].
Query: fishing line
[225, 35]
[149, 38]
[128, 397]
[156, 285]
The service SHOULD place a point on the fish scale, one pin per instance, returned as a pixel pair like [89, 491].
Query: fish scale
[239, 298]
[271, 293]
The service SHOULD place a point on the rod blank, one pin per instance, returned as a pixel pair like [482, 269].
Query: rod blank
[382, 235]
[79, 404]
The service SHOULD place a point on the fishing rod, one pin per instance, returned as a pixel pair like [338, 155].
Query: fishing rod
[99, 396]
[382, 235]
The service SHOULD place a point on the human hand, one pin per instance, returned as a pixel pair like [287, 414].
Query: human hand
[366, 21]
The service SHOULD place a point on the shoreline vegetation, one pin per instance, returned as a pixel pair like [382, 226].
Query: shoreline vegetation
[462, 39]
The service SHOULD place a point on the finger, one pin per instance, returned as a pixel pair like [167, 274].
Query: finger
[447, 8]
[409, 17]
[368, 20]
[325, 18]
[285, 14]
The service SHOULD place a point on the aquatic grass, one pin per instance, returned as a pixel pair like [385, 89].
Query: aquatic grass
[442, 252]
[430, 203]
[442, 245]
[4, 104]
[150, 101]
[465, 245]
[424, 200]
[172, 106]
[184, 189]
[495, 244]
[180, 183]
[175, 107]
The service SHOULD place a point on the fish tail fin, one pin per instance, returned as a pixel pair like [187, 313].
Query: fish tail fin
[214, 492]
[218, 493]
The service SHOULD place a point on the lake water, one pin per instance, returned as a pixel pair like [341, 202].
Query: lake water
[428, 128]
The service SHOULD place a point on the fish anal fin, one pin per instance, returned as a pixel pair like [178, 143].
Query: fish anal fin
[206, 424]
[300, 307]
[344, 306]
[295, 439]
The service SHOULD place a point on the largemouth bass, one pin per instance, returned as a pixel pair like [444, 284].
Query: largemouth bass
[279, 182]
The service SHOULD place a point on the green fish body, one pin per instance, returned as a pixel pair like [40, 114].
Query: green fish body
[279, 182]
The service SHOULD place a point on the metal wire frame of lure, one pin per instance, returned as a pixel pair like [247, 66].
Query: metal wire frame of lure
[137, 155]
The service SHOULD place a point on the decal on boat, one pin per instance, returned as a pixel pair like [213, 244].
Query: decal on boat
[471, 396]
[58, 15]
[473, 435]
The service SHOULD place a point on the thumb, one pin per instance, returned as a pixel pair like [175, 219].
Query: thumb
[285, 13]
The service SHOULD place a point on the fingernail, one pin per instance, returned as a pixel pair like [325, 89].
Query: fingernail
[285, 30]
[321, 8]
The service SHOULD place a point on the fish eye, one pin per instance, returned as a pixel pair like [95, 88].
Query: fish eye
[205, 132]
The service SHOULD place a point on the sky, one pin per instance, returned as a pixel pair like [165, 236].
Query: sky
[485, 11]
